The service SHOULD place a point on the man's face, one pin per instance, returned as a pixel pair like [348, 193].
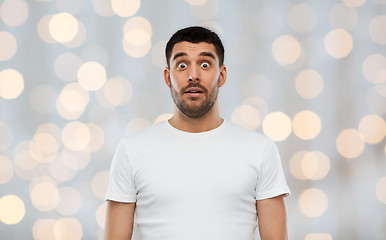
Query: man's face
[194, 77]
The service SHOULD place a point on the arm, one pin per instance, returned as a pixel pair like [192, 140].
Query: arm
[119, 220]
[272, 218]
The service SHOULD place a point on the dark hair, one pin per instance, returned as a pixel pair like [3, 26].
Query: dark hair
[195, 34]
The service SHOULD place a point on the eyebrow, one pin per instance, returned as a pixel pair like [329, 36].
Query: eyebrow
[207, 54]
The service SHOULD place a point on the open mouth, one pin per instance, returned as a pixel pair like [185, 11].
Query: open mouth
[194, 92]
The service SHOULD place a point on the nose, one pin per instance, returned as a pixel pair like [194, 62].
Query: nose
[194, 74]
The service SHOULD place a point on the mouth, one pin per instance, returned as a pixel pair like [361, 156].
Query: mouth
[194, 92]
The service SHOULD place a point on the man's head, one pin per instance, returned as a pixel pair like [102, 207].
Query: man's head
[195, 34]
[195, 71]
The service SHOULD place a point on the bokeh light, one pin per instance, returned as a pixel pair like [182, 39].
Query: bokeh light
[76, 76]
[302, 18]
[11, 84]
[246, 116]
[286, 49]
[137, 37]
[7, 39]
[23, 156]
[354, 3]
[14, 12]
[75, 160]
[72, 101]
[97, 137]
[196, 2]
[313, 202]
[205, 11]
[91, 76]
[70, 201]
[372, 128]
[315, 165]
[6, 170]
[76, 136]
[350, 143]
[63, 27]
[44, 195]
[43, 29]
[295, 165]
[125, 8]
[101, 215]
[277, 125]
[116, 91]
[306, 125]
[79, 38]
[59, 171]
[381, 190]
[377, 29]
[309, 83]
[374, 67]
[338, 43]
[12, 209]
[68, 228]
[43, 229]
[99, 184]
[318, 236]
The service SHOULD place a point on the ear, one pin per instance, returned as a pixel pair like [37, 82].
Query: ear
[223, 75]
[167, 76]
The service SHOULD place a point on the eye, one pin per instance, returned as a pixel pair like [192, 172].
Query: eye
[205, 65]
[181, 66]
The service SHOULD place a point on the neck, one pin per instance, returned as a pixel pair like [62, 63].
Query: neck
[209, 121]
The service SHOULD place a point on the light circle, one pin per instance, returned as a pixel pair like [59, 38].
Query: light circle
[306, 125]
[11, 84]
[125, 8]
[350, 143]
[381, 190]
[286, 49]
[9, 46]
[277, 125]
[309, 84]
[313, 202]
[12, 209]
[91, 76]
[14, 12]
[372, 128]
[63, 27]
[377, 29]
[338, 43]
[68, 228]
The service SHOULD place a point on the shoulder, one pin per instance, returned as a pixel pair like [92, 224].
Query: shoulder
[148, 135]
[247, 135]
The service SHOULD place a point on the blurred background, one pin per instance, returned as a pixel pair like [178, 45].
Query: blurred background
[78, 75]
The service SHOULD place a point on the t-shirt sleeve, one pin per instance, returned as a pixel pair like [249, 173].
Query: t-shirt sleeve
[121, 186]
[271, 181]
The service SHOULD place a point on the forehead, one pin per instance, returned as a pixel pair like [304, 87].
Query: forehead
[193, 49]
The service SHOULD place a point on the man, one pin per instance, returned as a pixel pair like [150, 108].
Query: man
[196, 176]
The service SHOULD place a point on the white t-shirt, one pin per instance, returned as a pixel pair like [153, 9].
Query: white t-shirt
[196, 185]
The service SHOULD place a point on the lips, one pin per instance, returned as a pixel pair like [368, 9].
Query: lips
[194, 92]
